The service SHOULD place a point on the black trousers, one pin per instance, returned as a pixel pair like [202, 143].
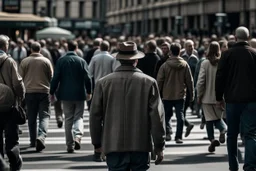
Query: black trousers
[10, 130]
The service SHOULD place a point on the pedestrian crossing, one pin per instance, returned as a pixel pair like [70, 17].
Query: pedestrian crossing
[54, 156]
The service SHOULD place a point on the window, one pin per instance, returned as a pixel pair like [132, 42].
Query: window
[35, 5]
[120, 4]
[126, 3]
[49, 8]
[81, 9]
[139, 2]
[67, 9]
[94, 9]
[54, 11]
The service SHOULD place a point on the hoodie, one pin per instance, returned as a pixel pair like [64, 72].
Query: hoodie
[174, 78]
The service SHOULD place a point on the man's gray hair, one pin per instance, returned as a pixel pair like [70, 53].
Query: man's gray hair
[188, 42]
[242, 33]
[35, 47]
[4, 40]
[253, 43]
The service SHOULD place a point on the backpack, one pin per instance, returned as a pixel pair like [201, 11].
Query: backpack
[7, 98]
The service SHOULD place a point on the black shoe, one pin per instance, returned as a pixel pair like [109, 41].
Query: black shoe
[222, 137]
[70, 150]
[168, 137]
[59, 123]
[39, 145]
[97, 157]
[32, 145]
[188, 130]
[178, 141]
[214, 143]
[77, 143]
[18, 166]
[20, 131]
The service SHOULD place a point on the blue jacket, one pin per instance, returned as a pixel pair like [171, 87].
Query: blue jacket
[71, 78]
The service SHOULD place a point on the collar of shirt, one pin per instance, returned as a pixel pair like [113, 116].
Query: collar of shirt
[2, 52]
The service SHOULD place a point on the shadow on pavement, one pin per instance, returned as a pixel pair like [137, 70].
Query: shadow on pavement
[87, 167]
[199, 158]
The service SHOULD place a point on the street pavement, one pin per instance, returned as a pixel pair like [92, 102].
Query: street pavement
[192, 155]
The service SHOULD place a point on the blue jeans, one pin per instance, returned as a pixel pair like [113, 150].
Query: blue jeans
[179, 110]
[244, 114]
[38, 104]
[126, 161]
[219, 124]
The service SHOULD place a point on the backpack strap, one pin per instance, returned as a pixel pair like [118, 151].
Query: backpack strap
[1, 69]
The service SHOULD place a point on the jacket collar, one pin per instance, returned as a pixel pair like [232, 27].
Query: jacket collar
[71, 53]
[242, 44]
[36, 55]
[127, 68]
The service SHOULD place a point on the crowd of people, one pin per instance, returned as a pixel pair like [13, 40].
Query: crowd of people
[131, 86]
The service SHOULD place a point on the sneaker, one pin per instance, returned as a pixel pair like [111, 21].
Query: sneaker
[178, 141]
[32, 145]
[214, 143]
[77, 143]
[39, 145]
[168, 137]
[188, 130]
[222, 137]
[97, 157]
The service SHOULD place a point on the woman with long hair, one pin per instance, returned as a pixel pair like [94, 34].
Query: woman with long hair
[206, 95]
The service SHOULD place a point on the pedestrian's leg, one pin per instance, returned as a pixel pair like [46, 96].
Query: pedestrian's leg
[78, 124]
[168, 114]
[69, 110]
[3, 164]
[248, 123]
[44, 116]
[233, 112]
[2, 124]
[12, 145]
[179, 108]
[118, 161]
[140, 161]
[210, 134]
[203, 122]
[58, 113]
[222, 127]
[32, 112]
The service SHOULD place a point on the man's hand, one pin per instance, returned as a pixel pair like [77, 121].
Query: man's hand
[221, 105]
[53, 99]
[199, 101]
[88, 97]
[159, 158]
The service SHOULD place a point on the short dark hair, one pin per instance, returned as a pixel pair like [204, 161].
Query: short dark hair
[104, 46]
[72, 45]
[175, 49]
[35, 47]
[151, 44]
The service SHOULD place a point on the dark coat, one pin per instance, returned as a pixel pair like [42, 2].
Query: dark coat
[72, 77]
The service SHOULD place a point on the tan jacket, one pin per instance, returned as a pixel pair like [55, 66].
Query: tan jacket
[11, 76]
[36, 71]
[174, 78]
[128, 104]
[206, 83]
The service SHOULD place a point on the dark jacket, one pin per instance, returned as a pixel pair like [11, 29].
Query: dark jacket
[90, 54]
[148, 64]
[235, 76]
[72, 77]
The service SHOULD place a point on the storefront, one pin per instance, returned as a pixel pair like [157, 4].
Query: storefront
[21, 25]
[81, 27]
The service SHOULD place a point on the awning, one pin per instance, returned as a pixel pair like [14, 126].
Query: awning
[54, 33]
[11, 20]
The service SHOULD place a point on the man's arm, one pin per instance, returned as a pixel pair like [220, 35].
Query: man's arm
[96, 116]
[17, 82]
[157, 118]
[87, 78]
[189, 82]
[56, 78]
[200, 86]
[160, 79]
[221, 76]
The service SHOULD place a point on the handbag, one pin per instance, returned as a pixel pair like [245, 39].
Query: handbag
[18, 114]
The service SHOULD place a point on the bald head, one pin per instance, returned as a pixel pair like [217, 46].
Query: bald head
[35, 47]
[242, 34]
[253, 43]
[4, 42]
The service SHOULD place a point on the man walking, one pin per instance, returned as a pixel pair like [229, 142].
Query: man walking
[126, 111]
[37, 72]
[10, 76]
[72, 79]
[235, 79]
[175, 73]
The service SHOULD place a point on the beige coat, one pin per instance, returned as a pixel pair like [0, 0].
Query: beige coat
[174, 78]
[126, 110]
[11, 76]
[37, 72]
[206, 90]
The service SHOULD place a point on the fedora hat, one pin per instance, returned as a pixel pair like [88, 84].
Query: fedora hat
[128, 51]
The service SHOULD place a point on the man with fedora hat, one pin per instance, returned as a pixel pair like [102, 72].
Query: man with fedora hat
[126, 111]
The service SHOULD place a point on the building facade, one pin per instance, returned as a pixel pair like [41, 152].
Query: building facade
[142, 17]
[78, 16]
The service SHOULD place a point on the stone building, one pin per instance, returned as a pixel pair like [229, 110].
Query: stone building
[179, 16]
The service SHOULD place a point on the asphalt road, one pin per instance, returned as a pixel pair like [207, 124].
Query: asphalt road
[192, 155]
